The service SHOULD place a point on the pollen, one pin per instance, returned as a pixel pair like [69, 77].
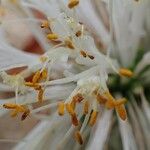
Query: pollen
[45, 24]
[78, 137]
[125, 72]
[61, 108]
[73, 3]
[101, 99]
[52, 36]
[93, 118]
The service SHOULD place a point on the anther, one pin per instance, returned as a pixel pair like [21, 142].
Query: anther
[45, 24]
[101, 99]
[78, 33]
[93, 118]
[61, 108]
[91, 57]
[40, 95]
[44, 74]
[52, 36]
[121, 112]
[78, 98]
[86, 107]
[10, 106]
[83, 53]
[125, 72]
[73, 3]
[74, 119]
[78, 137]
[69, 44]
[36, 77]
[25, 114]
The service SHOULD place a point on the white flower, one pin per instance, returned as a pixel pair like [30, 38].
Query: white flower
[83, 93]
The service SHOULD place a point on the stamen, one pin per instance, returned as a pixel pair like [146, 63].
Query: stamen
[86, 107]
[61, 108]
[45, 24]
[78, 137]
[125, 72]
[73, 114]
[73, 3]
[14, 113]
[52, 36]
[69, 44]
[78, 98]
[83, 53]
[93, 118]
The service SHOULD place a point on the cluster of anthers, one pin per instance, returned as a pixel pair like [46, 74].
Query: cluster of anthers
[89, 93]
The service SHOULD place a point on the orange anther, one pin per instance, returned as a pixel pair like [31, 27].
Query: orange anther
[73, 3]
[121, 112]
[101, 99]
[10, 106]
[78, 97]
[69, 44]
[78, 137]
[74, 119]
[93, 118]
[69, 109]
[125, 72]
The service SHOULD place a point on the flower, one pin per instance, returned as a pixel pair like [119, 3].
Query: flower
[76, 81]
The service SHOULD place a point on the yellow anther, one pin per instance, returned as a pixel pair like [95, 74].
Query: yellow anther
[69, 109]
[86, 107]
[69, 44]
[34, 85]
[78, 33]
[78, 137]
[73, 104]
[93, 118]
[44, 74]
[125, 72]
[10, 106]
[83, 53]
[121, 112]
[36, 77]
[45, 24]
[120, 101]
[43, 59]
[40, 95]
[78, 97]
[61, 108]
[73, 3]
[52, 36]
